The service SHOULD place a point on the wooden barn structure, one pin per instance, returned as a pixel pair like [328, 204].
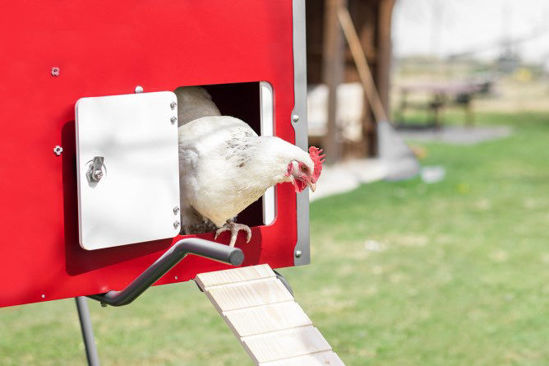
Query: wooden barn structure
[330, 61]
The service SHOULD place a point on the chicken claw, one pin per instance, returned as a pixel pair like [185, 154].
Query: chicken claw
[234, 228]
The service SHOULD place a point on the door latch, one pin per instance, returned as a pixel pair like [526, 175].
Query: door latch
[95, 171]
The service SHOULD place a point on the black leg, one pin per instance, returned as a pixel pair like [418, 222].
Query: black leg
[87, 330]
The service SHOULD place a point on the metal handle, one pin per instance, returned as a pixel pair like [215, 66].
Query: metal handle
[169, 259]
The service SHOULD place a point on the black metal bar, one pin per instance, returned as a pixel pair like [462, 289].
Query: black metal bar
[87, 330]
[170, 258]
[284, 281]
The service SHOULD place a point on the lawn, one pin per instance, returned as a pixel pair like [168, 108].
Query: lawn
[403, 273]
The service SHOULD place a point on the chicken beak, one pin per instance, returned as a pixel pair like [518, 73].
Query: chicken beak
[312, 185]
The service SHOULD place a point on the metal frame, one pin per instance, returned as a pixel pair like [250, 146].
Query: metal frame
[266, 103]
[302, 253]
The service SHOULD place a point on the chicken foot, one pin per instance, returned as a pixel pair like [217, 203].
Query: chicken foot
[234, 228]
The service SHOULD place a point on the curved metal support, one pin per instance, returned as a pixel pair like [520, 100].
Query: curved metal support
[169, 259]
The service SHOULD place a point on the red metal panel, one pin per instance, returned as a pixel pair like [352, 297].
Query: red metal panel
[107, 48]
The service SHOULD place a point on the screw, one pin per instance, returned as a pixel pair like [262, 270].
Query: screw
[139, 89]
[176, 224]
[173, 105]
[175, 210]
[55, 71]
[97, 175]
[57, 150]
[298, 253]
[173, 119]
[295, 117]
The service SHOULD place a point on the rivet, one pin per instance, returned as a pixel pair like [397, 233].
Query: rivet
[175, 277]
[298, 253]
[173, 105]
[175, 210]
[43, 296]
[173, 119]
[139, 89]
[176, 224]
[295, 117]
[57, 150]
[55, 71]
[97, 175]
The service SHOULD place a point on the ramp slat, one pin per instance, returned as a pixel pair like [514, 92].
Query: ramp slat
[267, 318]
[247, 294]
[285, 344]
[234, 275]
[316, 359]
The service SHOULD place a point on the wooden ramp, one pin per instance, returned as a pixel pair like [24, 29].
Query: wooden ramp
[262, 313]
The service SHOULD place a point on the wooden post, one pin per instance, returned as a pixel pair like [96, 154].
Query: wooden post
[371, 92]
[332, 70]
[384, 47]
[469, 115]
[361, 63]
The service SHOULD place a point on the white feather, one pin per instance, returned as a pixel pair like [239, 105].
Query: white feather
[225, 166]
[194, 102]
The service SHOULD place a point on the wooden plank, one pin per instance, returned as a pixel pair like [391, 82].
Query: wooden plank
[362, 64]
[267, 318]
[316, 359]
[383, 72]
[234, 275]
[246, 294]
[263, 315]
[285, 344]
[332, 74]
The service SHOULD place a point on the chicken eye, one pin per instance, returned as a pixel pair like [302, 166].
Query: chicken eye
[304, 169]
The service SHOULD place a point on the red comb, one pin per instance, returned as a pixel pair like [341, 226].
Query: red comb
[318, 159]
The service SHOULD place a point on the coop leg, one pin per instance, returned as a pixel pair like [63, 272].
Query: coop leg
[87, 331]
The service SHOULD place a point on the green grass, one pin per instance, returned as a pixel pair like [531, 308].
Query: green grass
[462, 278]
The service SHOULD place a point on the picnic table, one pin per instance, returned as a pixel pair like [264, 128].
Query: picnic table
[440, 96]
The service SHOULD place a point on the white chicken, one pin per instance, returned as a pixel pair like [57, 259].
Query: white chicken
[194, 102]
[225, 166]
